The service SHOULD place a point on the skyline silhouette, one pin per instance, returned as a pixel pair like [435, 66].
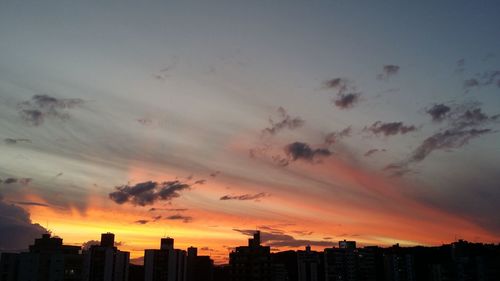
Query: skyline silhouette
[208, 120]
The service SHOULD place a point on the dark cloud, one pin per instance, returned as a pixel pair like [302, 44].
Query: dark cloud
[22, 181]
[438, 112]
[144, 121]
[15, 141]
[339, 84]
[255, 197]
[390, 128]
[285, 121]
[141, 221]
[215, 174]
[183, 218]
[446, 140]
[344, 101]
[200, 182]
[10, 180]
[333, 137]
[387, 71]
[470, 83]
[302, 151]
[373, 151]
[17, 231]
[147, 193]
[486, 78]
[346, 93]
[39, 107]
[168, 209]
[278, 238]
[31, 203]
[86, 245]
[464, 123]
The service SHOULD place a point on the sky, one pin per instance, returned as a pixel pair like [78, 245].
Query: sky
[313, 121]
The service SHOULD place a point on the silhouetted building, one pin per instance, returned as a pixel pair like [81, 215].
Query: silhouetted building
[222, 273]
[104, 262]
[288, 262]
[252, 262]
[310, 266]
[47, 260]
[341, 263]
[399, 264]
[136, 272]
[165, 264]
[199, 268]
[9, 262]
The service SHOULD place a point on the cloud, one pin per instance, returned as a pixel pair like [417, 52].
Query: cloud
[15, 141]
[373, 151]
[339, 84]
[346, 94]
[278, 238]
[39, 107]
[201, 182]
[285, 122]
[168, 209]
[333, 137]
[22, 181]
[345, 101]
[485, 78]
[438, 112]
[31, 203]
[302, 151]
[448, 139]
[147, 193]
[141, 221]
[215, 174]
[388, 70]
[183, 218]
[86, 245]
[145, 121]
[464, 123]
[17, 231]
[390, 128]
[255, 197]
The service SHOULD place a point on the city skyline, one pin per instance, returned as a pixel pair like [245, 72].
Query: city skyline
[311, 122]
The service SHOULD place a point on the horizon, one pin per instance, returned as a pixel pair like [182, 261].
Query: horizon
[312, 122]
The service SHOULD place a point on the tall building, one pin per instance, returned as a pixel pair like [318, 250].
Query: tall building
[165, 264]
[199, 268]
[310, 267]
[47, 260]
[341, 262]
[252, 262]
[9, 263]
[104, 262]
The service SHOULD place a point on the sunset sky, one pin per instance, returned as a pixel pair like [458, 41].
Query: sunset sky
[313, 121]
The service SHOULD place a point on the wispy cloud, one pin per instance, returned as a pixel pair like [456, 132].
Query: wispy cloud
[16, 141]
[255, 197]
[40, 107]
[285, 121]
[388, 71]
[390, 128]
[183, 218]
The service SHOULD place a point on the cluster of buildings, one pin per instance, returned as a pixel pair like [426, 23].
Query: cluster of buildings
[49, 260]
